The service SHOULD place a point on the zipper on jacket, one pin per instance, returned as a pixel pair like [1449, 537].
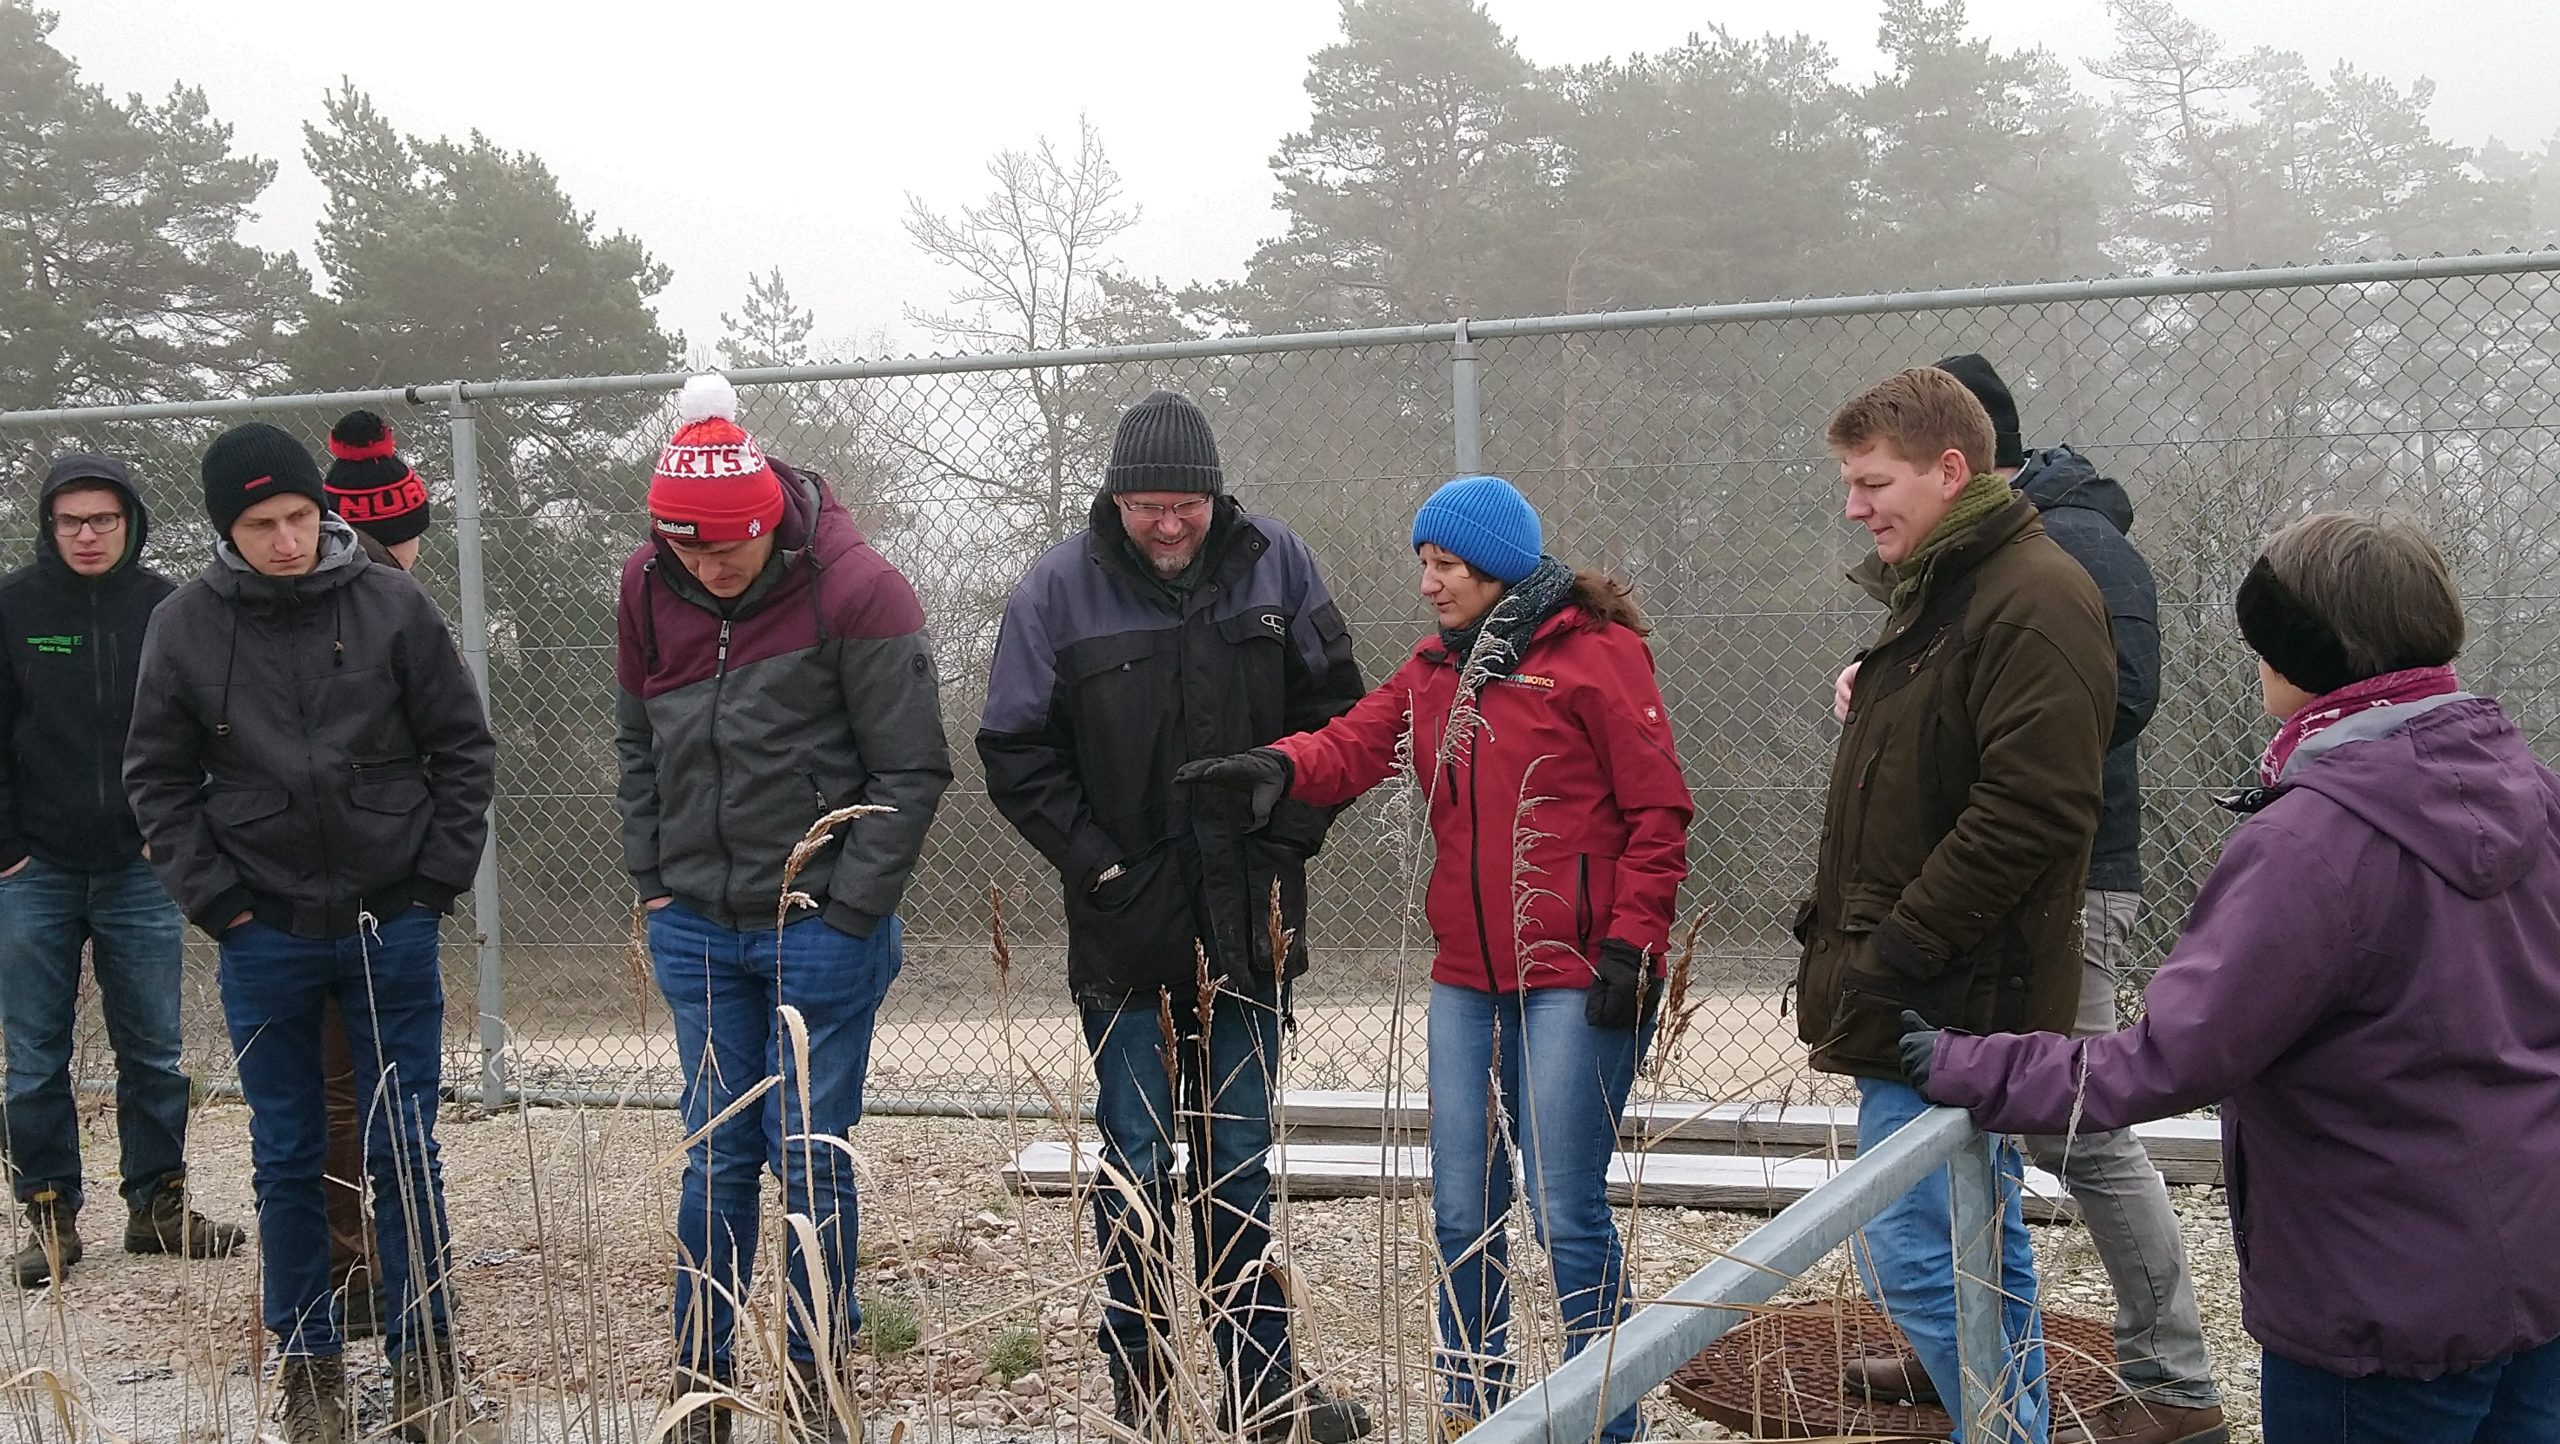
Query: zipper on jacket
[1582, 899]
[720, 772]
[98, 676]
[1475, 875]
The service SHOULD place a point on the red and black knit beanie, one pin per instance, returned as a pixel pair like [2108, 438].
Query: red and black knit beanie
[370, 485]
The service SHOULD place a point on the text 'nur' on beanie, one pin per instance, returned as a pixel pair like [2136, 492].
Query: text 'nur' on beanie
[1164, 444]
[370, 485]
[712, 484]
[2008, 447]
[1485, 522]
[250, 463]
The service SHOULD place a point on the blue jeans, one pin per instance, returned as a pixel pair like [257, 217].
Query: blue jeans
[390, 989]
[1223, 1112]
[2514, 1400]
[1562, 1084]
[1908, 1267]
[136, 938]
[723, 986]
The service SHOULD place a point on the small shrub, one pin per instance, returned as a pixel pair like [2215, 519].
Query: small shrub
[891, 1324]
[1015, 1352]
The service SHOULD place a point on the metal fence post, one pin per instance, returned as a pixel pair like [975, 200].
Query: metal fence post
[485, 910]
[1981, 1349]
[1466, 403]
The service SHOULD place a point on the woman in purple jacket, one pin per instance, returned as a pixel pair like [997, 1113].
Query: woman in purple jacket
[2370, 987]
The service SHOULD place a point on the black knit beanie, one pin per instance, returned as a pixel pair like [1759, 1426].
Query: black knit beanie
[1978, 376]
[370, 485]
[1164, 444]
[250, 463]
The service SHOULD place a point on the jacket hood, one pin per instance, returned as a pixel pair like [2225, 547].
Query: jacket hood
[341, 557]
[2450, 780]
[2060, 476]
[84, 471]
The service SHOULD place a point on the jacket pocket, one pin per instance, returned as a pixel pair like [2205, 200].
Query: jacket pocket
[1866, 1015]
[388, 809]
[1138, 930]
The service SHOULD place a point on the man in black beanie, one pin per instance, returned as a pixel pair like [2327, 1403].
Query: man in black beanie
[1176, 626]
[72, 877]
[310, 765]
[2160, 1350]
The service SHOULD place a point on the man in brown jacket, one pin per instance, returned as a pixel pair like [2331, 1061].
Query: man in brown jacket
[1957, 828]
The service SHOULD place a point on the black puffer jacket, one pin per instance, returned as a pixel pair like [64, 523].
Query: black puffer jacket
[2089, 515]
[69, 647]
[308, 748]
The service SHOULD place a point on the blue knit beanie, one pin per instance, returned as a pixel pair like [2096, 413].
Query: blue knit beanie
[1485, 522]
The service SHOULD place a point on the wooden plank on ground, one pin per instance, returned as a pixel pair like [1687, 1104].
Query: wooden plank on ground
[1664, 1180]
[2185, 1150]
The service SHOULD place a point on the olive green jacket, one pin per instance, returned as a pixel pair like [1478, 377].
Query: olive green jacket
[1956, 833]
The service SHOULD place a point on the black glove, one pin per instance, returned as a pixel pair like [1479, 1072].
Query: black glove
[1918, 1047]
[1264, 772]
[1623, 992]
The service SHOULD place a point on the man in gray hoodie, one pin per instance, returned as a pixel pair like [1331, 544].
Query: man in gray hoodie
[312, 770]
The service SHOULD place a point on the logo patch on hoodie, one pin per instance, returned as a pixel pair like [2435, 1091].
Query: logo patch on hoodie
[56, 646]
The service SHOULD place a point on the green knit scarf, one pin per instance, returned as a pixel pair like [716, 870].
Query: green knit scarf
[1984, 496]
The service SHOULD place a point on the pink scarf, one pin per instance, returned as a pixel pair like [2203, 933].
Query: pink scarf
[2324, 711]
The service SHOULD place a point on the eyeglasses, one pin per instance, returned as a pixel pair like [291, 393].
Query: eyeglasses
[1154, 511]
[105, 524]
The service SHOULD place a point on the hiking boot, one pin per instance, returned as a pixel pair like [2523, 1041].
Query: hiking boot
[1139, 1400]
[706, 1422]
[426, 1390]
[165, 1224]
[312, 1403]
[2138, 1421]
[53, 1242]
[1309, 1416]
[812, 1416]
[1892, 1379]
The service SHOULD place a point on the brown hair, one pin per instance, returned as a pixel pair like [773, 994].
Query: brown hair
[1919, 415]
[1605, 599]
[2379, 585]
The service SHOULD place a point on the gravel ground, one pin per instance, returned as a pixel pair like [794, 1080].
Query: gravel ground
[562, 1286]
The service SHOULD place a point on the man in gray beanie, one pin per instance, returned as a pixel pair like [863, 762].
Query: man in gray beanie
[1176, 626]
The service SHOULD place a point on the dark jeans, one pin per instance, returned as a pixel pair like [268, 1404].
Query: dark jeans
[1223, 1117]
[2514, 1400]
[135, 937]
[386, 982]
[723, 987]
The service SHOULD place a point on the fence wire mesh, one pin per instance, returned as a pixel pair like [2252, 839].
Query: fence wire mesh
[1687, 458]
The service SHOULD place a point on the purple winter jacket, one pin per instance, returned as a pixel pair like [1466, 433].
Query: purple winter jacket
[2370, 987]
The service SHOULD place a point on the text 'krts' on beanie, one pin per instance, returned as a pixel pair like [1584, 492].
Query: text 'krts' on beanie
[252, 462]
[370, 485]
[1485, 522]
[712, 484]
[1163, 443]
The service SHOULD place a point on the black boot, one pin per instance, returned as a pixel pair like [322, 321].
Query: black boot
[811, 1411]
[164, 1224]
[1139, 1399]
[707, 1422]
[426, 1393]
[1310, 1415]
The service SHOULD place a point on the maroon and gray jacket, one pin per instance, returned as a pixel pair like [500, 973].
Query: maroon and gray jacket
[2370, 987]
[740, 723]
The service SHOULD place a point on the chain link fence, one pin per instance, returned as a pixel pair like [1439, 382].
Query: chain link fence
[1681, 450]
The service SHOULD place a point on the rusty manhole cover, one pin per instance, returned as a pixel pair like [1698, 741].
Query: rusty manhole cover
[1779, 1375]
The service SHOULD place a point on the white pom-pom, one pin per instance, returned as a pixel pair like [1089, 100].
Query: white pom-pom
[707, 396]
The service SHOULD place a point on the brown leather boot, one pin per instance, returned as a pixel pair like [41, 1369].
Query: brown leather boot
[705, 1423]
[165, 1224]
[1897, 1379]
[53, 1241]
[312, 1399]
[2138, 1421]
[426, 1393]
[811, 1416]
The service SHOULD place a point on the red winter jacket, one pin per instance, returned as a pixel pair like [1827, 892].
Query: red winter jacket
[1578, 730]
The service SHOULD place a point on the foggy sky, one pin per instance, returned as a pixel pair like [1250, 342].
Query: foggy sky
[734, 137]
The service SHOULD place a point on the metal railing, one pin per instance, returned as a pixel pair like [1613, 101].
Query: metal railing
[1569, 1405]
[1680, 448]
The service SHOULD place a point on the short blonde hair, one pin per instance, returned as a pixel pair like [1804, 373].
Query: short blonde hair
[1919, 415]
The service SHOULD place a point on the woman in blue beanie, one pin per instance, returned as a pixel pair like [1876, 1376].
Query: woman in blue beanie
[1560, 822]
